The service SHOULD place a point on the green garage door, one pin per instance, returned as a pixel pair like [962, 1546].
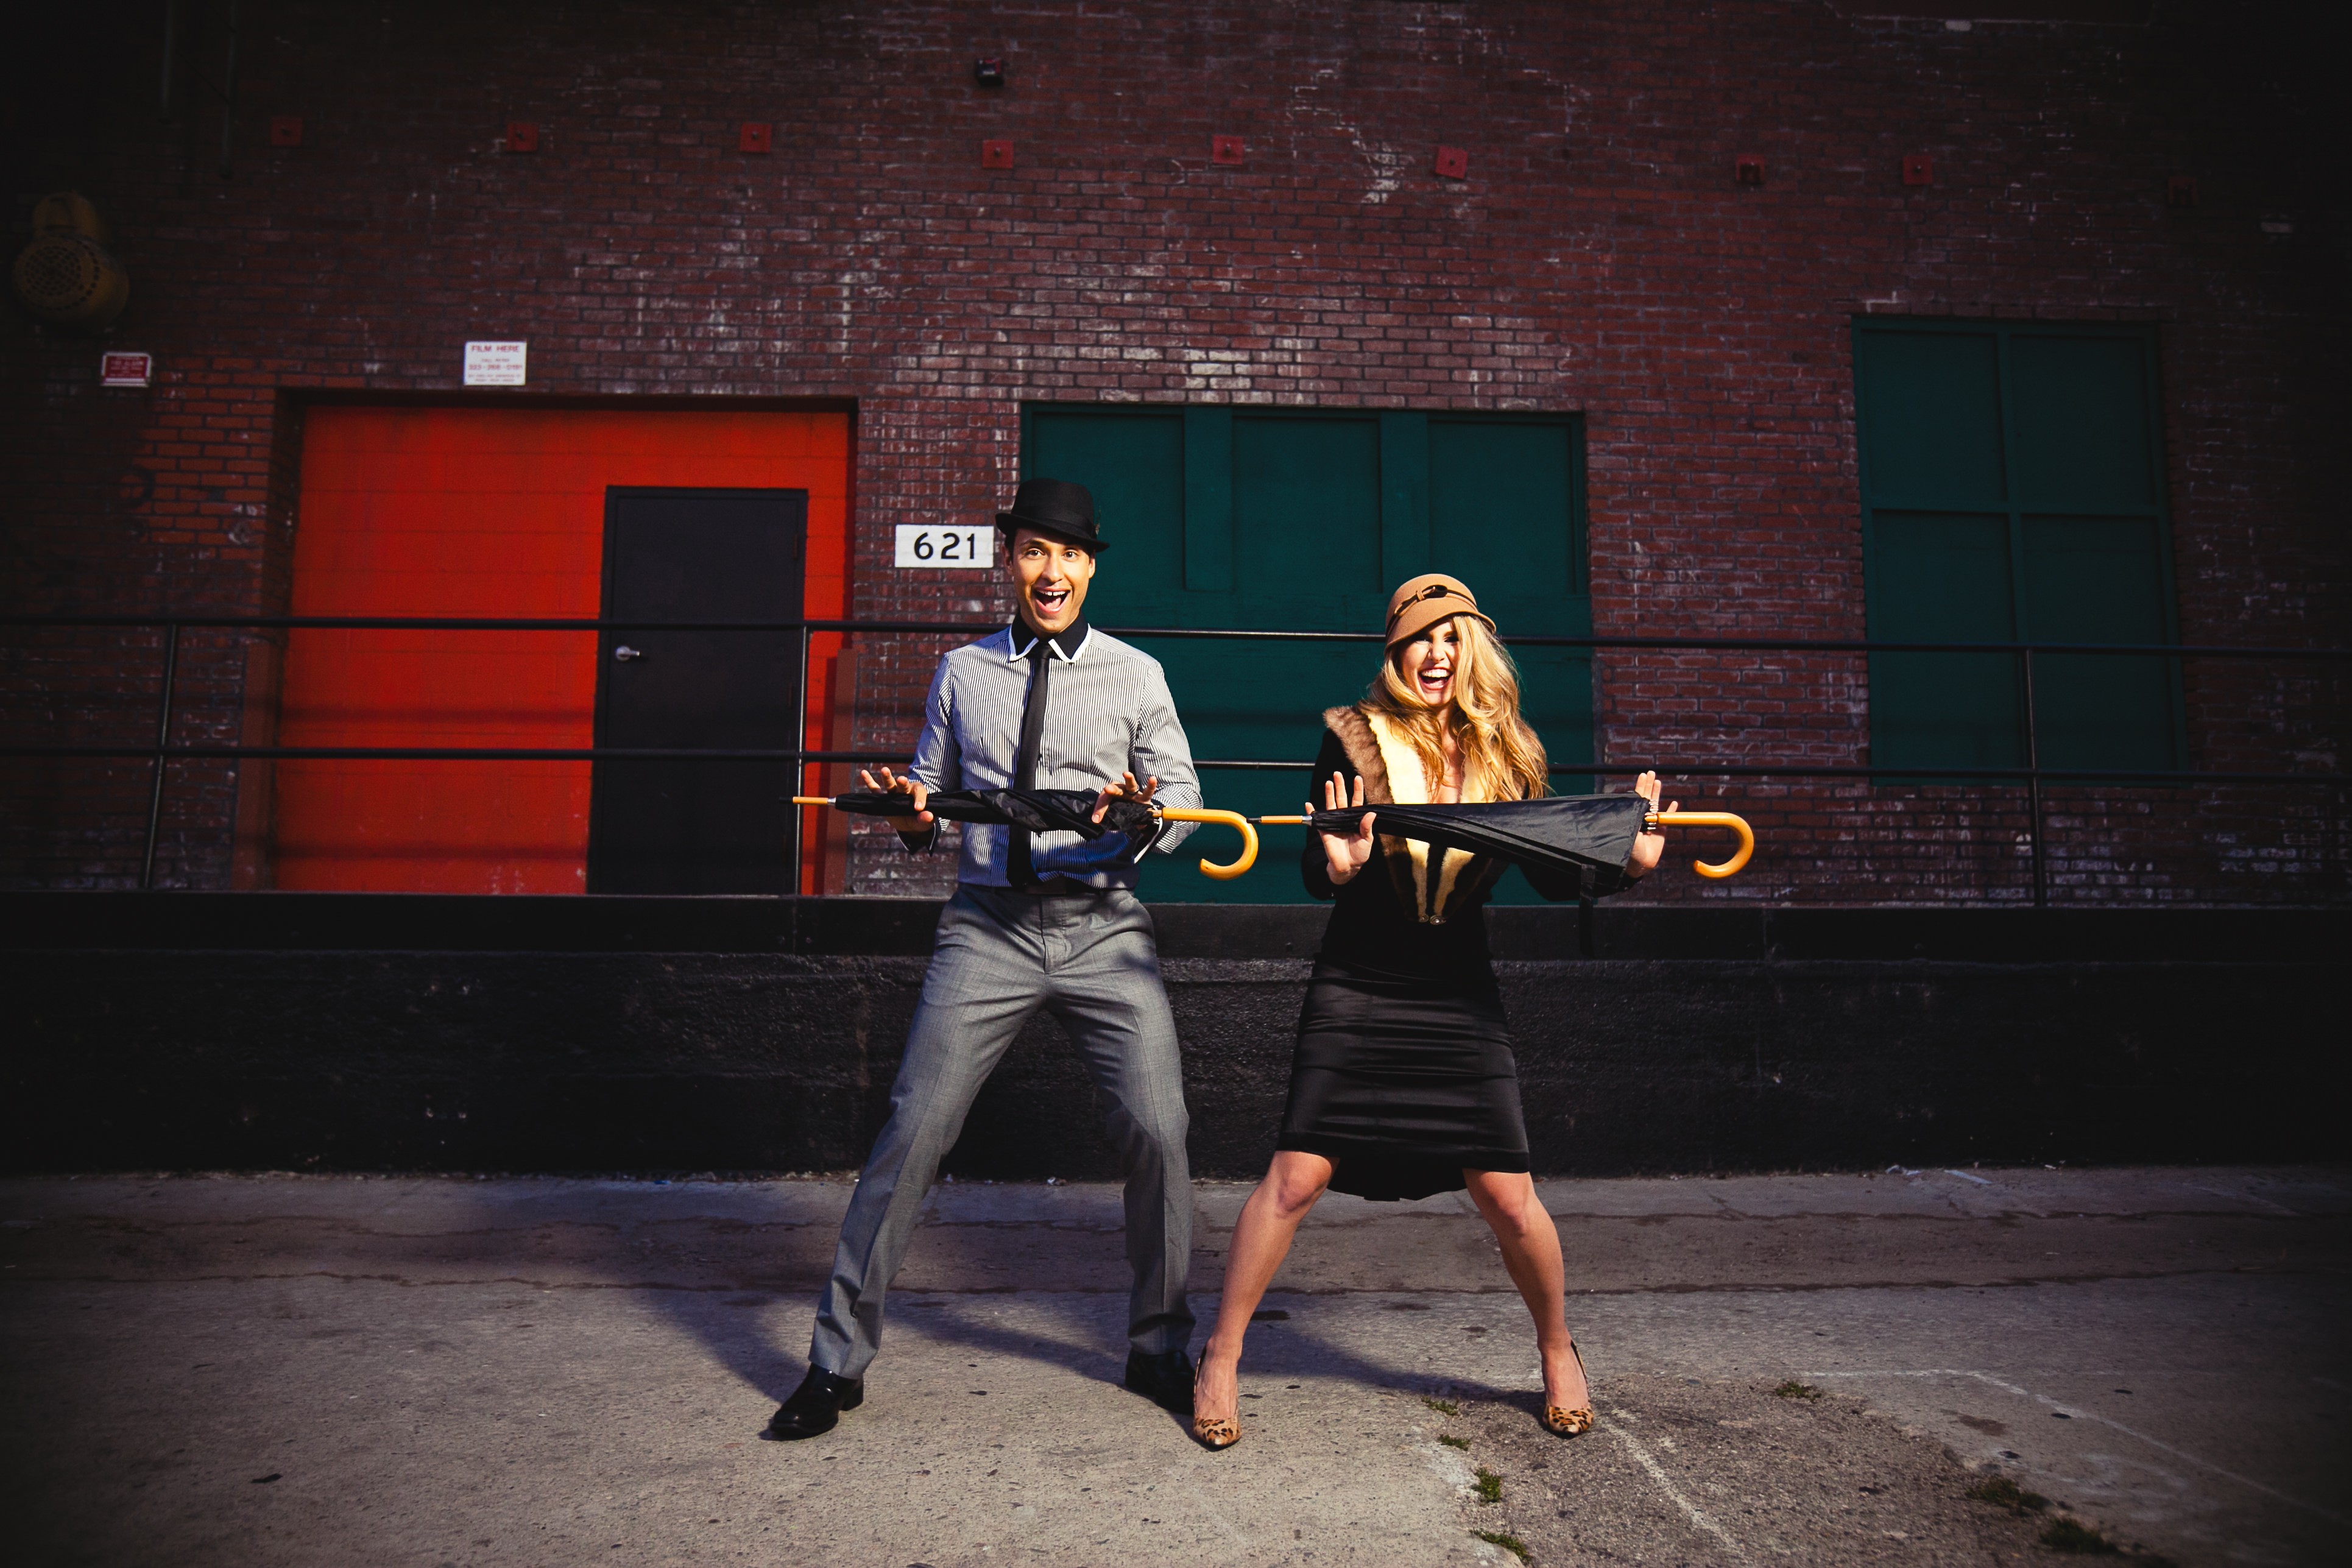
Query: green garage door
[2012, 490]
[1304, 520]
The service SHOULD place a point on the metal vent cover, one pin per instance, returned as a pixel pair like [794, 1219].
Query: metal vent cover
[68, 279]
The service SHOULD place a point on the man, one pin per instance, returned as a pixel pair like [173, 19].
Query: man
[1039, 921]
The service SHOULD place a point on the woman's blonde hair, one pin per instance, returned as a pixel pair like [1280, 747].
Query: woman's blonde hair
[1501, 758]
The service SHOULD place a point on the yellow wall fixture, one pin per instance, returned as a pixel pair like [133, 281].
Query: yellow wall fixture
[67, 277]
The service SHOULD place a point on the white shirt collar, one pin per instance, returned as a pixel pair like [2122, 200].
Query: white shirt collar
[1019, 640]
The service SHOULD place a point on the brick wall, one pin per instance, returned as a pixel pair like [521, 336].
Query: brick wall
[1599, 257]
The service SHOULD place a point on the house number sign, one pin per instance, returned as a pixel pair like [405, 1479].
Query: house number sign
[971, 549]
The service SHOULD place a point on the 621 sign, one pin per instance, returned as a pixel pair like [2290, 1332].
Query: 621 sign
[970, 549]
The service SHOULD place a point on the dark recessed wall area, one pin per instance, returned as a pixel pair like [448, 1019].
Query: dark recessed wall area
[355, 1032]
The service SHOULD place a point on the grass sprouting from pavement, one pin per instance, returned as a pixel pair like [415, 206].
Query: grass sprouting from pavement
[2065, 1535]
[1443, 1406]
[1451, 1441]
[1490, 1486]
[1508, 1543]
[1798, 1391]
[2002, 1492]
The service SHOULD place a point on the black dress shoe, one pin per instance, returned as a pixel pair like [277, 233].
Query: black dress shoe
[1165, 1379]
[816, 1405]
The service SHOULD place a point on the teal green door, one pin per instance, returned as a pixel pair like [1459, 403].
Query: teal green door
[2012, 490]
[1265, 520]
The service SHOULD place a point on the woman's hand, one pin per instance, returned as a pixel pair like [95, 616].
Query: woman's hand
[1651, 847]
[1126, 789]
[891, 784]
[1346, 852]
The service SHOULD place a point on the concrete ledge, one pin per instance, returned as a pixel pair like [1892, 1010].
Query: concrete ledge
[326, 1032]
[421, 923]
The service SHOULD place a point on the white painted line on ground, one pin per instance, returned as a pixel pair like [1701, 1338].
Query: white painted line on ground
[1965, 1177]
[2079, 1413]
[2238, 1198]
[1657, 1473]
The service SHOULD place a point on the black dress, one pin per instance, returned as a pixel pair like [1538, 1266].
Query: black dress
[1403, 1076]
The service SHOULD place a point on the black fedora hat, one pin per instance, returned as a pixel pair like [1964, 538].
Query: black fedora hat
[1057, 507]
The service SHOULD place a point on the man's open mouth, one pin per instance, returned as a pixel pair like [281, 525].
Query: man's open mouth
[1049, 599]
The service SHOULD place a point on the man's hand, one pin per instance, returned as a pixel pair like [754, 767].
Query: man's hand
[891, 784]
[1651, 847]
[1124, 789]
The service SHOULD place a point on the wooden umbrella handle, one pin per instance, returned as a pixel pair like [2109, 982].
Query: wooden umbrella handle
[1737, 824]
[1233, 819]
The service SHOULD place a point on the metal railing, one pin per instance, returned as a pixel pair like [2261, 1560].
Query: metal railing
[2032, 776]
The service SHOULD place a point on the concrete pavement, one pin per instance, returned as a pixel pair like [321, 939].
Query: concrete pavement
[354, 1371]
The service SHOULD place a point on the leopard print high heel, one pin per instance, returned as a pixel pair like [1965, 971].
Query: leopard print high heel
[1564, 1423]
[1216, 1436]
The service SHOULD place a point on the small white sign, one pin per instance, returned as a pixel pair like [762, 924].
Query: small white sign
[125, 369]
[494, 364]
[959, 547]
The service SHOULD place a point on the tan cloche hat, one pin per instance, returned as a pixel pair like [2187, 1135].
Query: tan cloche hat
[1430, 598]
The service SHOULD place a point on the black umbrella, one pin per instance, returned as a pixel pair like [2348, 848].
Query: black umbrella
[1045, 811]
[1569, 831]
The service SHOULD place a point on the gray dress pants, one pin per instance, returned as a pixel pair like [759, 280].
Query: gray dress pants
[1089, 959]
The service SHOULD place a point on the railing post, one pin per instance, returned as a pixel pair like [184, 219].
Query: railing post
[800, 765]
[163, 739]
[2033, 791]
[171, 51]
[228, 98]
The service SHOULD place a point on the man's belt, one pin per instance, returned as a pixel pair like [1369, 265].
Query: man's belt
[1054, 888]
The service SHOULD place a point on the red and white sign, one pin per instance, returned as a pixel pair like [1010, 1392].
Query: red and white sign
[494, 364]
[125, 369]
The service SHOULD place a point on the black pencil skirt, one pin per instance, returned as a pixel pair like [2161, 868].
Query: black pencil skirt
[1402, 1086]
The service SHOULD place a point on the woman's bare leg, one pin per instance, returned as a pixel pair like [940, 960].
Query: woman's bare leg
[1261, 1240]
[1531, 1244]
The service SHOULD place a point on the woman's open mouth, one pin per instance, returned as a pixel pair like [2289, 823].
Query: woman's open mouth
[1433, 682]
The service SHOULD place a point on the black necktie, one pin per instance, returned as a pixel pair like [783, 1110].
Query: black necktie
[1020, 870]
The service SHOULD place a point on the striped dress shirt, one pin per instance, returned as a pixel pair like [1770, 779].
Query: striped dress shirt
[1108, 711]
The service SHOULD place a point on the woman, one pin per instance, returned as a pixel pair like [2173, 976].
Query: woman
[1402, 1085]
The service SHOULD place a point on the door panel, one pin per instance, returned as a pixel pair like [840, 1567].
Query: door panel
[1942, 577]
[1931, 402]
[1307, 512]
[1134, 465]
[2098, 580]
[687, 826]
[2083, 435]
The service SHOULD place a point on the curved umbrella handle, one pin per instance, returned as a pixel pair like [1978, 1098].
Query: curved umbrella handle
[1737, 824]
[1234, 819]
